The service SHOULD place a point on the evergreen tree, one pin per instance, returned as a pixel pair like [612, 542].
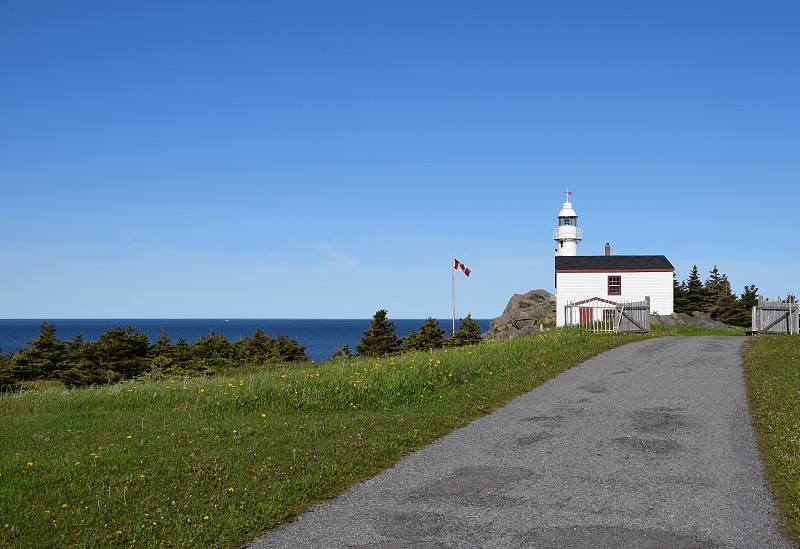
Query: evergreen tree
[680, 299]
[342, 352]
[82, 372]
[380, 338]
[43, 359]
[289, 350]
[468, 333]
[7, 380]
[259, 348]
[743, 313]
[693, 292]
[430, 336]
[184, 362]
[119, 353]
[713, 290]
[213, 352]
[161, 355]
[720, 301]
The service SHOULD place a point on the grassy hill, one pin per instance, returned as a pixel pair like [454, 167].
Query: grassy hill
[212, 462]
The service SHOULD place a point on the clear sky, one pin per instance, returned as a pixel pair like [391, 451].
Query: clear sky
[300, 159]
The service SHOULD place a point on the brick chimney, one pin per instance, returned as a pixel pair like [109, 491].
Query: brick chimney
[608, 248]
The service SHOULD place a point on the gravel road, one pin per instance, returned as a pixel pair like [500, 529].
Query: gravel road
[646, 446]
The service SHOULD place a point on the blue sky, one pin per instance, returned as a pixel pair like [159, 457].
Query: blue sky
[324, 159]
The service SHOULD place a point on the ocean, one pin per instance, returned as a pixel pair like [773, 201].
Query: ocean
[319, 336]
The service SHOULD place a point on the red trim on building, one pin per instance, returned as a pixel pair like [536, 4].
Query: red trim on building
[615, 271]
[595, 299]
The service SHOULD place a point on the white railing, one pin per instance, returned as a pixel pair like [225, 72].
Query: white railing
[577, 233]
[601, 315]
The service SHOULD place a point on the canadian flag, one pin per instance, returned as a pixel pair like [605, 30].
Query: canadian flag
[458, 265]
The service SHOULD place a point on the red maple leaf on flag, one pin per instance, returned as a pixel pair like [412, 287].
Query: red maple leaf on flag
[458, 265]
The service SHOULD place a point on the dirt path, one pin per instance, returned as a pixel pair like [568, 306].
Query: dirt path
[646, 446]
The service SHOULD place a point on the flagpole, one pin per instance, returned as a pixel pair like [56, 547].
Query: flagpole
[453, 289]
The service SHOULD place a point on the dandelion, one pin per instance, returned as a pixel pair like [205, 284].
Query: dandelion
[129, 437]
[263, 415]
[29, 464]
[231, 489]
[118, 532]
[205, 517]
[64, 505]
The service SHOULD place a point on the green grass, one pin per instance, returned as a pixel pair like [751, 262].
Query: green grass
[772, 377]
[212, 462]
[696, 331]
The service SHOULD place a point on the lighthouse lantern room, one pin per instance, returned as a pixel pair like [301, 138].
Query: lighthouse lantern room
[567, 234]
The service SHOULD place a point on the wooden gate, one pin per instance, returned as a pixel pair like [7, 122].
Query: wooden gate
[601, 315]
[776, 317]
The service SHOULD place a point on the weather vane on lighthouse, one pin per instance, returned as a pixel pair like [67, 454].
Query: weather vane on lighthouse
[567, 234]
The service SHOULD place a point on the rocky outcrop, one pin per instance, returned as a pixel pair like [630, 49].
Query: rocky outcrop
[702, 320]
[523, 315]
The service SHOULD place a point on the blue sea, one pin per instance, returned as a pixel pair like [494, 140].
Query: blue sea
[319, 337]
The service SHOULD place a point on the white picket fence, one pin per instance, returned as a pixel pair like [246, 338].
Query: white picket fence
[776, 317]
[601, 315]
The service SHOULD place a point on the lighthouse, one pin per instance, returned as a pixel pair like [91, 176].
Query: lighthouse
[567, 234]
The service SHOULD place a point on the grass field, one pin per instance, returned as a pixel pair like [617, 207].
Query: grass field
[772, 376]
[212, 462]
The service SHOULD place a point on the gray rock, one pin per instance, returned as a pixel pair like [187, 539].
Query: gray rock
[702, 320]
[523, 315]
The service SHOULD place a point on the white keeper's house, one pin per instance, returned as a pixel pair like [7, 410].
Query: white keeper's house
[589, 279]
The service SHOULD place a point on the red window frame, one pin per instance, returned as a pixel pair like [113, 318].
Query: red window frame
[615, 289]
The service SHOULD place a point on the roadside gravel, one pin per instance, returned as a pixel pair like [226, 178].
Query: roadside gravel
[646, 446]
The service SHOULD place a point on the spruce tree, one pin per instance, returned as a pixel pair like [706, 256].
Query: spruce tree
[380, 338]
[430, 336]
[680, 299]
[43, 359]
[694, 292]
[743, 313]
[720, 301]
[468, 333]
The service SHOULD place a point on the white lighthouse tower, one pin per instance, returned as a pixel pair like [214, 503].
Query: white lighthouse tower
[567, 234]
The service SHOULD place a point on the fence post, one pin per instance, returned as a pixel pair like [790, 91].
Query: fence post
[758, 315]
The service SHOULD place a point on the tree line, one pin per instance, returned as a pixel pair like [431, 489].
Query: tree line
[381, 339]
[715, 297]
[122, 353]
